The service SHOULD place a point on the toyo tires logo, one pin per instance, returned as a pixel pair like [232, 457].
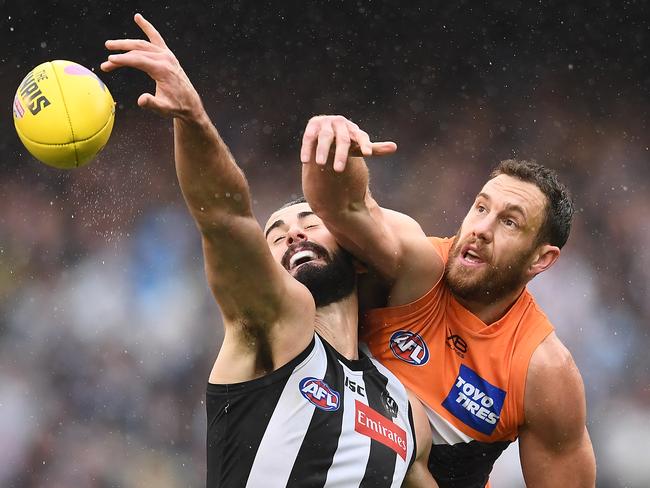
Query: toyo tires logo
[409, 347]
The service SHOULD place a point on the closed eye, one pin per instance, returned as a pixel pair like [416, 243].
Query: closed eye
[277, 239]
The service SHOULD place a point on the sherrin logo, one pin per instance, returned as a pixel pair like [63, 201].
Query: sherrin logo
[409, 347]
[320, 394]
[31, 93]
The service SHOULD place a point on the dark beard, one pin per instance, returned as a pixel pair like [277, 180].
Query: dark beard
[489, 286]
[331, 282]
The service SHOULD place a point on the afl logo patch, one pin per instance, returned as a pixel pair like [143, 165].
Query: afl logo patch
[320, 394]
[409, 347]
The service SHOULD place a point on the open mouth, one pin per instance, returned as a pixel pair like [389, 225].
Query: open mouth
[302, 254]
[470, 256]
[302, 257]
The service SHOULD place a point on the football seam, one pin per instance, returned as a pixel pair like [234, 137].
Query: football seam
[66, 143]
[67, 115]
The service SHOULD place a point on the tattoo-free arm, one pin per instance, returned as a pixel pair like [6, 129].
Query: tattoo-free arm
[389, 242]
[252, 289]
[554, 445]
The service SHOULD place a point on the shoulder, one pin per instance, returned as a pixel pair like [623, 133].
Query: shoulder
[554, 400]
[551, 359]
[417, 264]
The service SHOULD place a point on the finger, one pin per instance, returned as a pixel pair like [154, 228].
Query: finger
[149, 102]
[309, 140]
[150, 31]
[107, 66]
[146, 100]
[342, 138]
[130, 45]
[325, 139]
[135, 59]
[362, 139]
[383, 148]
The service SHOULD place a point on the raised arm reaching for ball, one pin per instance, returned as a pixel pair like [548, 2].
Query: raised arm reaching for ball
[291, 400]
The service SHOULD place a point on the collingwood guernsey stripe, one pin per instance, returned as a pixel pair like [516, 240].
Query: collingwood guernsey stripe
[391, 406]
[321, 440]
[382, 458]
[319, 421]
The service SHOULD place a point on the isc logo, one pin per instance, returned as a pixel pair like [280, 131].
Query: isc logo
[409, 347]
[320, 394]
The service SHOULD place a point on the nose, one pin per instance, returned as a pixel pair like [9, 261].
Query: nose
[295, 235]
[483, 228]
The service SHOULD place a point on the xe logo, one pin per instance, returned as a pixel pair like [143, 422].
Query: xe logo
[320, 394]
[456, 343]
[409, 347]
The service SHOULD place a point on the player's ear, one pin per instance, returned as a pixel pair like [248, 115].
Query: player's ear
[544, 258]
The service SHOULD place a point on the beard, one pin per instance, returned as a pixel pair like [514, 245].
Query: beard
[331, 282]
[489, 284]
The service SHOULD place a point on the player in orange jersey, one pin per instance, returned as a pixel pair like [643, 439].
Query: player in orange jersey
[453, 318]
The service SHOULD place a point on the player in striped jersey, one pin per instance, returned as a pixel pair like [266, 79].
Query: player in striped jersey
[291, 400]
[454, 320]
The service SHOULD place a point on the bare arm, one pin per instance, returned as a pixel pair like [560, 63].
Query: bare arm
[254, 292]
[418, 476]
[554, 444]
[335, 184]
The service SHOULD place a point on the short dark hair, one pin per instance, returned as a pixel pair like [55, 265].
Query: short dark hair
[559, 204]
[295, 201]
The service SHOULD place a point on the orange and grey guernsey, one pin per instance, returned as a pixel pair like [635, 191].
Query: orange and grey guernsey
[319, 421]
[469, 376]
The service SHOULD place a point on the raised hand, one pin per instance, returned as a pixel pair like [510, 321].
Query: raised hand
[325, 134]
[174, 96]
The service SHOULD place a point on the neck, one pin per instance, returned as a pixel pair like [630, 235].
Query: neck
[491, 311]
[338, 324]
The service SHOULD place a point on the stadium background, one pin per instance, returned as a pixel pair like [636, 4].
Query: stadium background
[107, 331]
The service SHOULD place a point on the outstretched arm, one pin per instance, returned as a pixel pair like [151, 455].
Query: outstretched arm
[253, 291]
[554, 444]
[335, 183]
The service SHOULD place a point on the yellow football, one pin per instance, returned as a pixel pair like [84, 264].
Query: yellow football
[63, 114]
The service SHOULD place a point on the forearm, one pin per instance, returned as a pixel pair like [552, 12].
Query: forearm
[335, 182]
[249, 285]
[342, 200]
[331, 193]
[211, 182]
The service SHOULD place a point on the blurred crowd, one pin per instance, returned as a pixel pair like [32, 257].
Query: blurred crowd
[108, 331]
[107, 328]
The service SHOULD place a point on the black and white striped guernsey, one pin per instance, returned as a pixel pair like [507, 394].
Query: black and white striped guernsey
[319, 421]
